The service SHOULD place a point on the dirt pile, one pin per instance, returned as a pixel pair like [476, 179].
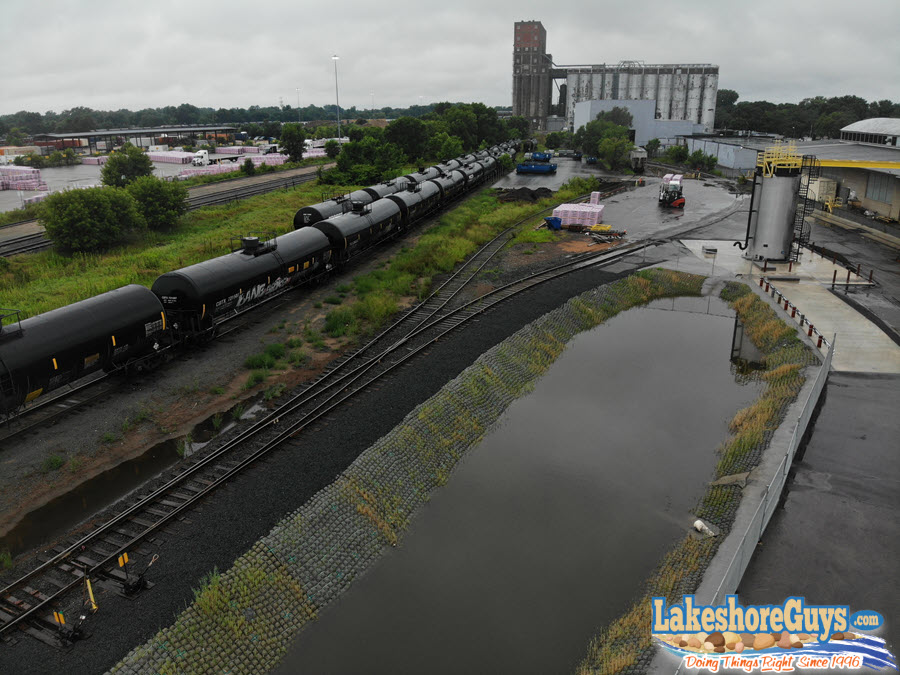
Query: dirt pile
[524, 194]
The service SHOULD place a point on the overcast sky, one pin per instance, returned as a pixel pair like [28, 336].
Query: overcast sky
[107, 54]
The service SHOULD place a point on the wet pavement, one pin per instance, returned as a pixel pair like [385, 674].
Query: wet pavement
[837, 538]
[547, 529]
[80, 175]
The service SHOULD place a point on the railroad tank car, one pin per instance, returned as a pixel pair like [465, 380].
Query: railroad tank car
[199, 296]
[417, 201]
[108, 331]
[473, 172]
[333, 207]
[450, 185]
[386, 188]
[353, 232]
[448, 166]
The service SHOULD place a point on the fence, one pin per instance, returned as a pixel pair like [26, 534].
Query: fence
[754, 531]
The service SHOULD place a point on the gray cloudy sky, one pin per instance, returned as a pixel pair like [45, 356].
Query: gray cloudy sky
[107, 54]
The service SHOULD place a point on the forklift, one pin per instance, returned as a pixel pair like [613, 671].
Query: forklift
[670, 191]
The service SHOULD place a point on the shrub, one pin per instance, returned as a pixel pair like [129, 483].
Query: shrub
[125, 166]
[90, 220]
[160, 202]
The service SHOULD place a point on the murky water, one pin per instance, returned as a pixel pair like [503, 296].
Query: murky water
[90, 497]
[61, 514]
[547, 530]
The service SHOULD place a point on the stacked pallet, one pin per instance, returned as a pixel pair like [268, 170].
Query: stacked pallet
[99, 161]
[21, 178]
[579, 214]
[313, 152]
[273, 159]
[171, 157]
[251, 150]
[34, 199]
[230, 150]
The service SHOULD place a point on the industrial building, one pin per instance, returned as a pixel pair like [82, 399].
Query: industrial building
[868, 168]
[684, 91]
[645, 122]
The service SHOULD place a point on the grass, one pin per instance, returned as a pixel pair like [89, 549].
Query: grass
[298, 358]
[39, 282]
[529, 235]
[109, 437]
[52, 463]
[217, 420]
[268, 358]
[184, 445]
[274, 391]
[237, 412]
[256, 377]
[6, 562]
[217, 391]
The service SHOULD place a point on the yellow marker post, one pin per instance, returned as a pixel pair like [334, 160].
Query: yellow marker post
[123, 559]
[59, 618]
[90, 590]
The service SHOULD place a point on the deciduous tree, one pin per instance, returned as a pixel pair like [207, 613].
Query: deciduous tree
[125, 165]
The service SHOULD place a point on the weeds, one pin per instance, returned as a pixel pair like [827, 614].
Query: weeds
[6, 562]
[216, 421]
[256, 377]
[217, 391]
[52, 463]
[274, 391]
[109, 438]
[237, 412]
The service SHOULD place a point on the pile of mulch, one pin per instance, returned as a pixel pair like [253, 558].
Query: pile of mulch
[524, 194]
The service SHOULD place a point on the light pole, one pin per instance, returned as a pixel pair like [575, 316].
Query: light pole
[336, 99]
[298, 105]
[372, 94]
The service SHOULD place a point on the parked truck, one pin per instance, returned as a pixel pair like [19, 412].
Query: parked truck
[202, 158]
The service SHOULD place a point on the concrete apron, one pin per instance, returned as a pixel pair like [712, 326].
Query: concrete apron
[862, 346]
[754, 492]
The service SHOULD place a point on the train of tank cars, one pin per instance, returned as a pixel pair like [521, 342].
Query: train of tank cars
[134, 328]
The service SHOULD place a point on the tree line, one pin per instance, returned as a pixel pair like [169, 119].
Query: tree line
[87, 119]
[816, 117]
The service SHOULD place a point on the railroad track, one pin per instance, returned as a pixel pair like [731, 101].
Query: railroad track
[27, 604]
[28, 243]
[31, 243]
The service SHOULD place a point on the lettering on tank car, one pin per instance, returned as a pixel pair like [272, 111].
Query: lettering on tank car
[152, 327]
[261, 290]
[168, 299]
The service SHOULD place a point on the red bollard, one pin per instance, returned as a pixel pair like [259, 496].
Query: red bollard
[793, 312]
[785, 305]
[790, 265]
[809, 333]
[819, 344]
[767, 287]
[761, 282]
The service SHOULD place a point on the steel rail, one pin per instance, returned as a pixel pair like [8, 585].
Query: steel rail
[298, 401]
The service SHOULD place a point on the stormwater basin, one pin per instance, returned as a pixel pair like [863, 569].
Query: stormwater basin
[547, 530]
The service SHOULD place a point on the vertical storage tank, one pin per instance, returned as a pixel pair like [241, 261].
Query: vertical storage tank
[771, 221]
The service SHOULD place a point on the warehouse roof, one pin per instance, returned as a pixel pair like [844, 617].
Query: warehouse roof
[890, 126]
[146, 131]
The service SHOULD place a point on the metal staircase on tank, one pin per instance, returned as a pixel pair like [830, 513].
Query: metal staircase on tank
[809, 171]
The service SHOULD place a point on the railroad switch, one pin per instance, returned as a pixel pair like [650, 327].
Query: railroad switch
[135, 583]
[69, 633]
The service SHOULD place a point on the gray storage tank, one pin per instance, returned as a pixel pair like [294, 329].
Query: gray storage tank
[771, 221]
